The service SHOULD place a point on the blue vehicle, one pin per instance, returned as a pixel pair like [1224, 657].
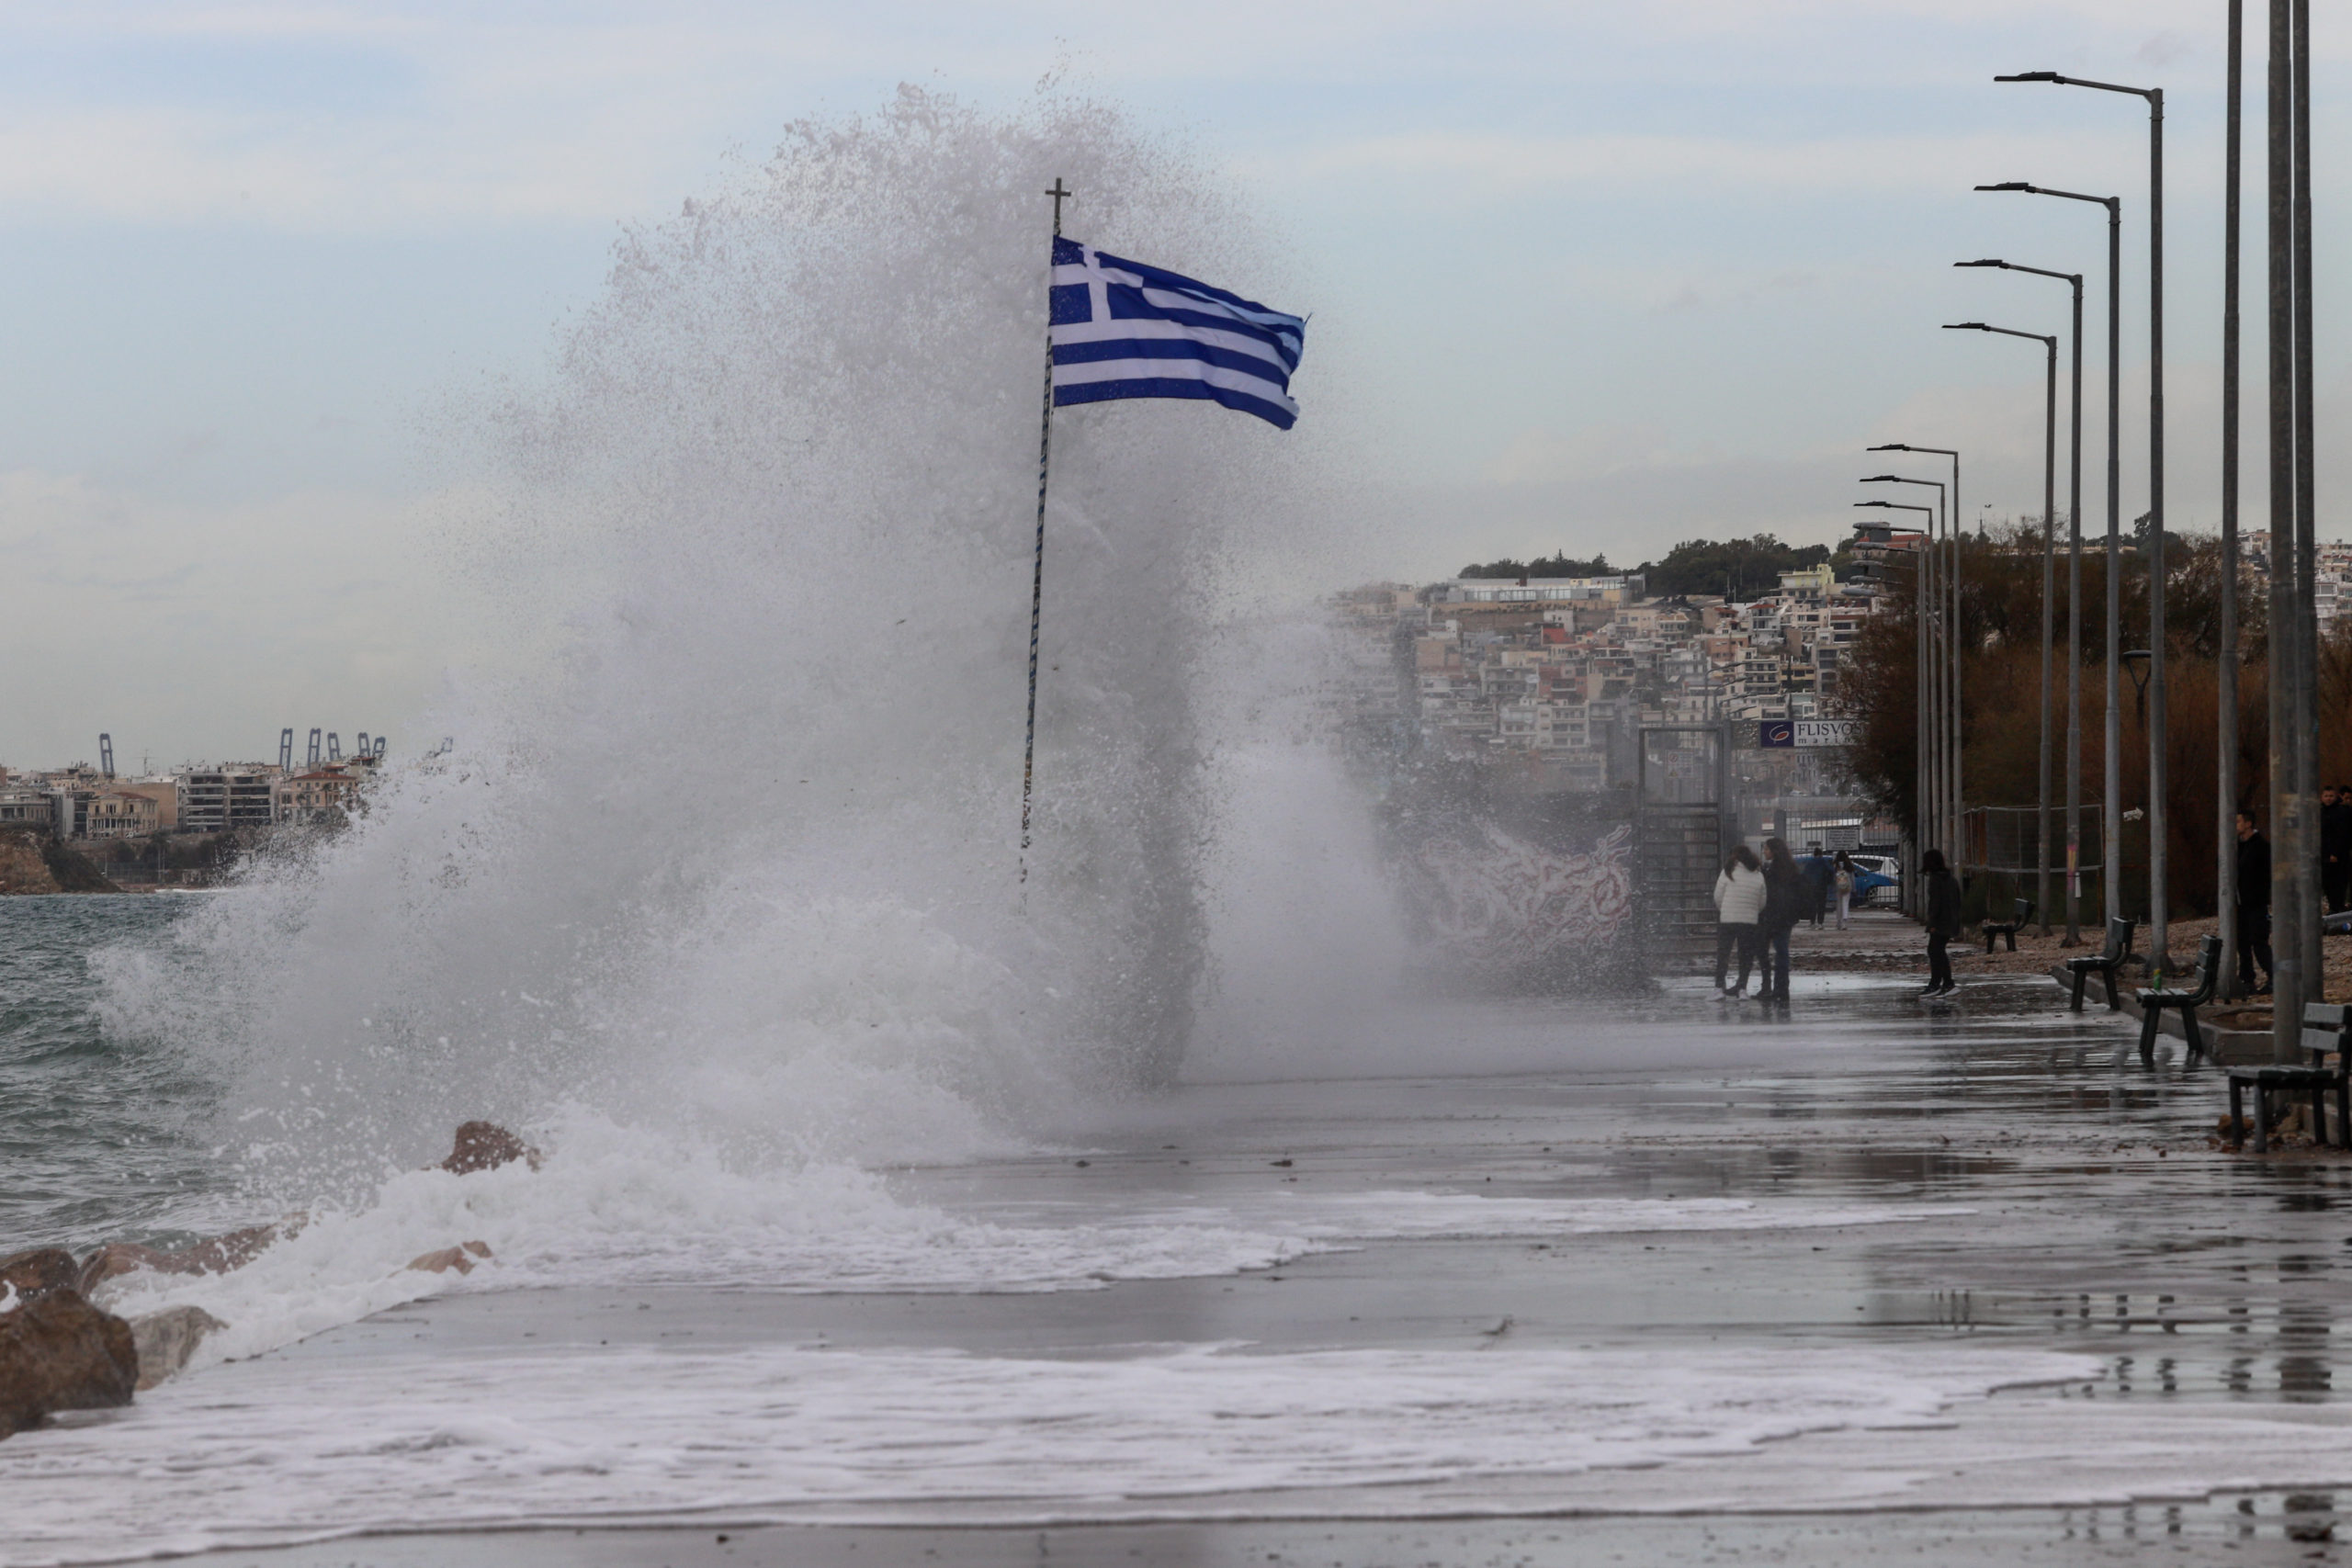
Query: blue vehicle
[1873, 873]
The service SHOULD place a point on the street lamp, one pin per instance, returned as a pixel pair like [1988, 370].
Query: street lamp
[2073, 609]
[2157, 770]
[1943, 817]
[2111, 794]
[1924, 726]
[2048, 504]
[1943, 694]
[1950, 587]
[2225, 694]
[2297, 974]
[1921, 773]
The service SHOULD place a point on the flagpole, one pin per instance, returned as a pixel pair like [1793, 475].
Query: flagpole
[1037, 577]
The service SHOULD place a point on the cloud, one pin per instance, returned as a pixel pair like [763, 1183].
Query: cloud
[196, 631]
[348, 114]
[1487, 166]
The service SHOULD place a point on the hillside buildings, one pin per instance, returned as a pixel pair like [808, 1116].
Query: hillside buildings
[1559, 674]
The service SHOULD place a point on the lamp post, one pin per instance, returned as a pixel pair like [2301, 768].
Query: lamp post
[1922, 611]
[1953, 797]
[2111, 834]
[1943, 819]
[2225, 695]
[2049, 505]
[2073, 609]
[2158, 773]
[1947, 586]
[1911, 891]
[2294, 749]
[1937, 696]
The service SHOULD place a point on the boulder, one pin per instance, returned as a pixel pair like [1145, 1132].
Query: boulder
[43, 1271]
[213, 1255]
[165, 1340]
[61, 1353]
[486, 1146]
[450, 1258]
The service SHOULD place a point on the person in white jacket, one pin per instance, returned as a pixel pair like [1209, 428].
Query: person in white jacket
[1739, 902]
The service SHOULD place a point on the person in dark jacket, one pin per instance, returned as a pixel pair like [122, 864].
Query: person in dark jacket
[1785, 898]
[1819, 872]
[1943, 919]
[2253, 905]
[2336, 846]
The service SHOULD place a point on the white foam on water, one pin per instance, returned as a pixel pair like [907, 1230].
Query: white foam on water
[310, 1448]
[610, 1208]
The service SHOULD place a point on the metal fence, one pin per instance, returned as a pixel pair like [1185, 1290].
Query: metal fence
[2003, 837]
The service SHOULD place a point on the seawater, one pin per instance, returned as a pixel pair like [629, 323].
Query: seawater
[102, 1130]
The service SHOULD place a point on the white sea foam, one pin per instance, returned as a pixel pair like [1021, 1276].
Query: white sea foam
[610, 1208]
[307, 1447]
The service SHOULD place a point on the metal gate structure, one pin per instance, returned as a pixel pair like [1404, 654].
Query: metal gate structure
[1681, 834]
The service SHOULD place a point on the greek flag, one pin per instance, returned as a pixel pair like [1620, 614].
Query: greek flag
[1123, 330]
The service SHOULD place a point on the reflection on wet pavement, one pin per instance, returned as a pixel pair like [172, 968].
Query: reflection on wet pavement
[2105, 1217]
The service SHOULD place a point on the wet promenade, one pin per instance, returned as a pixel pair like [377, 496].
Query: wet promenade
[1993, 1179]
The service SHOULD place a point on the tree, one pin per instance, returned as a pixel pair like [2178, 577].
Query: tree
[1556, 564]
[1739, 568]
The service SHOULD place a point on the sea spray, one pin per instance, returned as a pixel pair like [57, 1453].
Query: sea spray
[738, 867]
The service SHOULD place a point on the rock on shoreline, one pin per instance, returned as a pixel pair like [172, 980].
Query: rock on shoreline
[57, 1352]
[60, 1352]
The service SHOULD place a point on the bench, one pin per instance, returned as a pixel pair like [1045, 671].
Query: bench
[2009, 928]
[2153, 1002]
[2327, 1032]
[2104, 964]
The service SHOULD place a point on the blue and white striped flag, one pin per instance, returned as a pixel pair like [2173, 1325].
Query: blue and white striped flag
[1123, 330]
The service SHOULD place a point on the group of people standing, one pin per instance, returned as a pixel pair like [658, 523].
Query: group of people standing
[1759, 900]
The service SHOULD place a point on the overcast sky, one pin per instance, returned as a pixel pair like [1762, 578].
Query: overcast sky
[1615, 274]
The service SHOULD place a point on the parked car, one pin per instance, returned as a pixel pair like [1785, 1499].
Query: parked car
[1878, 879]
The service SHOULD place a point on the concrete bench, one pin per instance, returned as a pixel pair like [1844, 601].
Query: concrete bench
[2153, 1002]
[2327, 1032]
[2022, 918]
[2104, 964]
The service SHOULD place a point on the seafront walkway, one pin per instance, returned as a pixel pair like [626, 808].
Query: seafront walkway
[1859, 1280]
[1883, 942]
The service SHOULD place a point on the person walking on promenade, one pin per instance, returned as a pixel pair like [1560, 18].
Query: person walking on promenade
[1944, 920]
[2254, 905]
[1842, 879]
[1784, 904]
[1817, 879]
[1739, 899]
[2336, 846]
